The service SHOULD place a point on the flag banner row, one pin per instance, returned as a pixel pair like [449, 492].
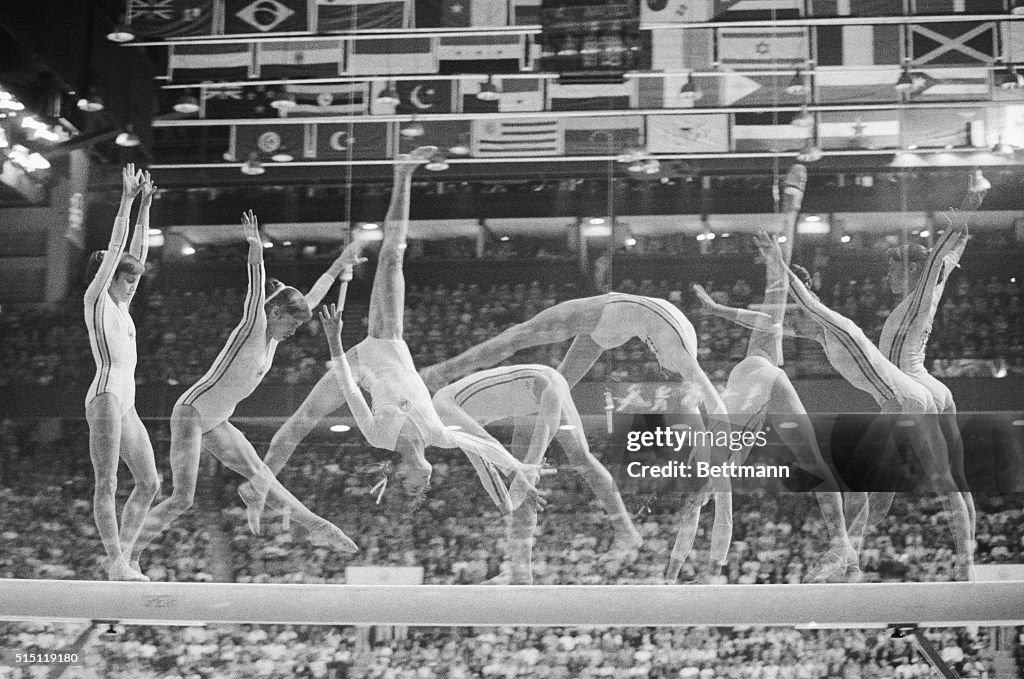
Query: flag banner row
[741, 49]
[692, 133]
[171, 19]
[830, 86]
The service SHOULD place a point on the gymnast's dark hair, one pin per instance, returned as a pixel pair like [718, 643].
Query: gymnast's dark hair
[803, 274]
[287, 299]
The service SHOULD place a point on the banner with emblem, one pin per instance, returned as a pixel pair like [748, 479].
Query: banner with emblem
[591, 97]
[514, 94]
[481, 53]
[944, 127]
[950, 84]
[330, 99]
[335, 141]
[235, 102]
[267, 16]
[768, 132]
[300, 59]
[461, 13]
[521, 137]
[859, 129]
[603, 135]
[266, 140]
[690, 133]
[762, 47]
[170, 18]
[444, 134]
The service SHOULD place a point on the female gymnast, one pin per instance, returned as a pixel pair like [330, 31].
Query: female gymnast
[115, 430]
[402, 418]
[537, 400]
[273, 311]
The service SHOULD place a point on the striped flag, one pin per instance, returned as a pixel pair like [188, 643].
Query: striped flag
[690, 133]
[334, 141]
[359, 15]
[675, 11]
[605, 135]
[477, 53]
[1011, 40]
[515, 94]
[672, 50]
[519, 138]
[767, 132]
[170, 18]
[266, 140]
[953, 43]
[591, 97]
[862, 45]
[762, 48]
[761, 10]
[300, 59]
[958, 6]
[663, 91]
[266, 16]
[842, 85]
[328, 99]
[856, 8]
[461, 13]
[739, 89]
[196, 63]
[951, 84]
[235, 102]
[387, 57]
[525, 12]
[859, 129]
[444, 134]
[942, 127]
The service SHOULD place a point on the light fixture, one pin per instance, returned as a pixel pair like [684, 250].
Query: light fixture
[629, 241]
[924, 233]
[282, 155]
[3, 139]
[413, 130]
[810, 153]
[797, 87]
[122, 32]
[188, 250]
[652, 166]
[388, 95]
[504, 239]
[438, 162]
[370, 226]
[689, 91]
[803, 119]
[340, 428]
[187, 104]
[979, 183]
[283, 101]
[92, 103]
[844, 238]
[253, 167]
[488, 91]
[461, 147]
[812, 218]
[9, 103]
[128, 138]
[905, 83]
[1017, 7]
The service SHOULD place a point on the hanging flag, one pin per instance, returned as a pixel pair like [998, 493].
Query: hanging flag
[266, 16]
[525, 12]
[756, 10]
[664, 91]
[1012, 41]
[300, 59]
[672, 50]
[675, 11]
[859, 45]
[424, 96]
[603, 136]
[856, 8]
[843, 85]
[690, 133]
[365, 141]
[767, 132]
[953, 43]
[762, 47]
[859, 129]
[942, 127]
[517, 138]
[959, 7]
[266, 140]
[481, 53]
[1011, 127]
[196, 63]
[515, 94]
[950, 84]
[388, 56]
[738, 89]
[235, 102]
[461, 13]
[328, 99]
[359, 15]
[444, 134]
[170, 18]
[591, 97]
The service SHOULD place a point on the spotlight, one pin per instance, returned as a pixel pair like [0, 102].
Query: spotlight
[488, 91]
[388, 95]
[689, 91]
[796, 86]
[370, 226]
[804, 118]
[253, 167]
[1006, 79]
[282, 155]
[905, 83]
[128, 138]
[9, 103]
[461, 147]
[340, 428]
[92, 103]
[3, 139]
[979, 183]
[413, 130]
[283, 101]
[187, 104]
[652, 166]
[810, 154]
[437, 163]
[122, 32]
